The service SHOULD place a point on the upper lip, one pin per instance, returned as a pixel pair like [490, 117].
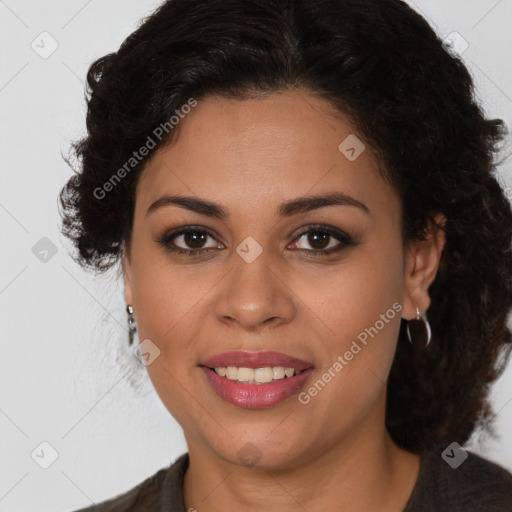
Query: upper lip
[261, 359]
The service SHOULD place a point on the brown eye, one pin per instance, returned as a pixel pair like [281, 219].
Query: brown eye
[323, 240]
[189, 240]
[194, 239]
[318, 239]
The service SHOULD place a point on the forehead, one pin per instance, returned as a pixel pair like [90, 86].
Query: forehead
[245, 154]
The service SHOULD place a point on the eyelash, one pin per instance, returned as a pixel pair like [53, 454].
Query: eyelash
[346, 241]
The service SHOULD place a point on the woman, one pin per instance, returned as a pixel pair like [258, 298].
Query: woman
[290, 187]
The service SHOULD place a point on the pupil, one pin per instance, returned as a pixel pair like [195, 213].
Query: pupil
[313, 239]
[195, 239]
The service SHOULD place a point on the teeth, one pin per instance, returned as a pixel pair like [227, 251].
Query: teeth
[232, 372]
[278, 372]
[288, 372]
[245, 374]
[262, 374]
[258, 375]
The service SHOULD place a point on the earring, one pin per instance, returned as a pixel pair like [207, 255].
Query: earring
[420, 327]
[132, 329]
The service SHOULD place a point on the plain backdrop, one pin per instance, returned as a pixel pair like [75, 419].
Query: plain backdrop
[66, 395]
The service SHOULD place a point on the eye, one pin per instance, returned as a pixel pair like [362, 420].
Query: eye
[319, 237]
[190, 241]
[191, 236]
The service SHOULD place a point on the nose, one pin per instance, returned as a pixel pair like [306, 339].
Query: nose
[255, 296]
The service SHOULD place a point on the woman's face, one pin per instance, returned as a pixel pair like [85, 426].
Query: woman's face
[260, 286]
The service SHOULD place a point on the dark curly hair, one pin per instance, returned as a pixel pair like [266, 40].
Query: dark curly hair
[379, 63]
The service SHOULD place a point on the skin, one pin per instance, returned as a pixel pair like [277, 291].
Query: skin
[250, 156]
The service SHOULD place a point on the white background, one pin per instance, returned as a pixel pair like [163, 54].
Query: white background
[61, 328]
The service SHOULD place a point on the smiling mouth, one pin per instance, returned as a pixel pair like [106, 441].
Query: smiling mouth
[256, 388]
[263, 375]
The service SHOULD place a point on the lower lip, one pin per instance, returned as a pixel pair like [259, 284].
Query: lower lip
[256, 396]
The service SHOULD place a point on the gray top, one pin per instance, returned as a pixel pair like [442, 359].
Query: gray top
[476, 485]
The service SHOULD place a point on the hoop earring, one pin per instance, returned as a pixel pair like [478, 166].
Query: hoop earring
[132, 329]
[421, 332]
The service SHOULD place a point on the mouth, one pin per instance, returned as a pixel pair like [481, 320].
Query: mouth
[256, 376]
[256, 380]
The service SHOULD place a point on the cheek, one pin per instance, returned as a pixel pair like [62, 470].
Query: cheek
[171, 303]
[164, 294]
[167, 314]
[360, 312]
[165, 303]
[356, 293]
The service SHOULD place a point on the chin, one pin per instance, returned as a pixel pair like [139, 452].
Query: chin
[258, 451]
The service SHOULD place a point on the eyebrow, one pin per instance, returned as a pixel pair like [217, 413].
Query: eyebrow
[287, 209]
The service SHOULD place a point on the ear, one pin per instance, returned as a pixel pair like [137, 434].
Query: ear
[127, 276]
[421, 264]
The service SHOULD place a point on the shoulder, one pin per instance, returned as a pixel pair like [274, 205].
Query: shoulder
[460, 480]
[159, 492]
